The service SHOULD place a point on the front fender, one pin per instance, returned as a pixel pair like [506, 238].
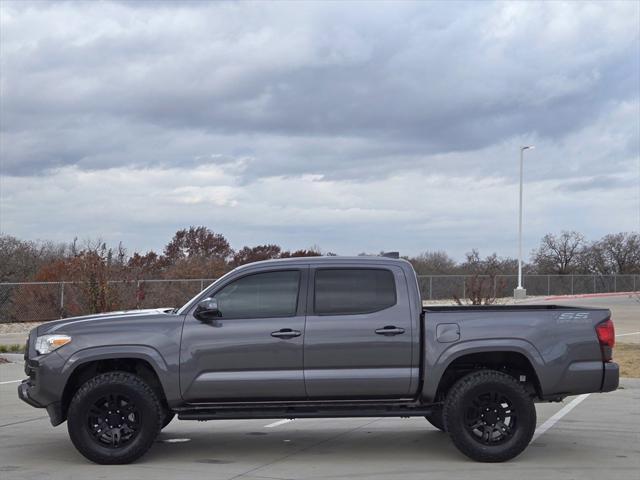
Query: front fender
[167, 374]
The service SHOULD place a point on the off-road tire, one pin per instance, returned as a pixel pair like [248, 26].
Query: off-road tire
[151, 416]
[459, 407]
[167, 417]
[435, 418]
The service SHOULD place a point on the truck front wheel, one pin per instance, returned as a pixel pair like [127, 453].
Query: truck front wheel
[435, 418]
[114, 418]
[490, 416]
[167, 416]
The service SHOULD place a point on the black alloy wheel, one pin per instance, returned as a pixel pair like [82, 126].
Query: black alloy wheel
[490, 417]
[114, 420]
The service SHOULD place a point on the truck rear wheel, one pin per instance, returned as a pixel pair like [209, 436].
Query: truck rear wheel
[490, 416]
[114, 418]
[435, 418]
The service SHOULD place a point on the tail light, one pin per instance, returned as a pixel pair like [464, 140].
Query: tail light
[607, 338]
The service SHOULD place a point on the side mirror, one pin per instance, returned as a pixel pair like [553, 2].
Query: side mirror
[207, 309]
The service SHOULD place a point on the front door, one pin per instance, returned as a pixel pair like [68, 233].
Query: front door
[253, 351]
[358, 339]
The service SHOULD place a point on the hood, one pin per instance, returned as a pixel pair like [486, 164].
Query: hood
[56, 325]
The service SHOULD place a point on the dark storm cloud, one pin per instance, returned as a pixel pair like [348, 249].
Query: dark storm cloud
[309, 88]
[361, 126]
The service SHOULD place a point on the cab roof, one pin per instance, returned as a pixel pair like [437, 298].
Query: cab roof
[333, 260]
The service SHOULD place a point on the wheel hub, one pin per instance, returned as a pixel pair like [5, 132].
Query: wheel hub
[490, 418]
[113, 420]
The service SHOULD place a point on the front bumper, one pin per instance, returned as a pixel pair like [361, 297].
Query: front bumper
[23, 393]
[54, 409]
[44, 386]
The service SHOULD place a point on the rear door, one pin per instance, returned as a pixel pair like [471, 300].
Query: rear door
[358, 333]
[253, 351]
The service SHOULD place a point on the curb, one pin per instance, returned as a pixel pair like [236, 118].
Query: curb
[593, 295]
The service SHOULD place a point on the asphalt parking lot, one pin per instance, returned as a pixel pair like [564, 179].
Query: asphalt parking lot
[597, 438]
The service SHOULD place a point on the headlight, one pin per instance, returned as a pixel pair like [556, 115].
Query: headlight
[48, 343]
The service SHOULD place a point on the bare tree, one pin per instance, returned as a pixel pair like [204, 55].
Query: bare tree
[483, 285]
[559, 254]
[620, 253]
[434, 263]
[20, 260]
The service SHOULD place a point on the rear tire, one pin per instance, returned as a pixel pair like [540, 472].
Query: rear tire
[114, 418]
[435, 418]
[490, 416]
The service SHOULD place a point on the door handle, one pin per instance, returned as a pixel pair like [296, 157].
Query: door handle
[390, 331]
[286, 333]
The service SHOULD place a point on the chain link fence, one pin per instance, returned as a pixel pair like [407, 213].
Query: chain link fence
[41, 301]
[440, 287]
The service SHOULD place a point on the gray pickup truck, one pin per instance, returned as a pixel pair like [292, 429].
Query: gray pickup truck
[316, 337]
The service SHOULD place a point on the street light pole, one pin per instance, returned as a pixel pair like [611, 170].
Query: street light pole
[520, 292]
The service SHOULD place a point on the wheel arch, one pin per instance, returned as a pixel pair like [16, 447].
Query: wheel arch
[144, 362]
[516, 358]
[514, 363]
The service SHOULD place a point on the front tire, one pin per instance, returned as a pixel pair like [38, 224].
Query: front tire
[490, 416]
[114, 418]
[435, 418]
[168, 415]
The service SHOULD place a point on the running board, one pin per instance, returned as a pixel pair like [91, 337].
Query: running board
[304, 412]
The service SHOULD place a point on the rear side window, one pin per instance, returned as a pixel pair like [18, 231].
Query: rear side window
[351, 291]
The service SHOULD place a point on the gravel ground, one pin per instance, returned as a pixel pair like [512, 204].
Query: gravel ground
[17, 327]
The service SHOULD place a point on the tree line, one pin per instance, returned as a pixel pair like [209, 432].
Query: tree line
[557, 254]
[103, 278]
[198, 252]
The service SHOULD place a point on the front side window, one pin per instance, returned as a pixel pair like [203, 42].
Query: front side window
[352, 291]
[269, 294]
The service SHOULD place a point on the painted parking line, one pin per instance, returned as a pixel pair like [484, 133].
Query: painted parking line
[625, 334]
[279, 422]
[561, 413]
[10, 381]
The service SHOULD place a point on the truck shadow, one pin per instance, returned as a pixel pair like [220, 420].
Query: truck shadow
[334, 445]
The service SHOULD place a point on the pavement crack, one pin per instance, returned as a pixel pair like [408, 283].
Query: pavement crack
[22, 421]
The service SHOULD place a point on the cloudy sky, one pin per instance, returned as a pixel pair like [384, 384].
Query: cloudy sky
[352, 126]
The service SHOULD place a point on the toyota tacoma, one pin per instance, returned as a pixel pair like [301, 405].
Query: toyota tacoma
[310, 338]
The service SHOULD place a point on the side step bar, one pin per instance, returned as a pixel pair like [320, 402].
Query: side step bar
[302, 412]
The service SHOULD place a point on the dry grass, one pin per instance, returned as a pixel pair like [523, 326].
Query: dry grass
[627, 355]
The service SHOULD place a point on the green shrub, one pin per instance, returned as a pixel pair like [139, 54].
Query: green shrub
[14, 348]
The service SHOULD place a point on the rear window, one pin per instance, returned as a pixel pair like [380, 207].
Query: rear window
[349, 291]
